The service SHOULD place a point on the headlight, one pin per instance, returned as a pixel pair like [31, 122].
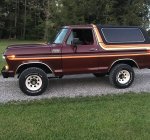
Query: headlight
[3, 60]
[6, 67]
[3, 57]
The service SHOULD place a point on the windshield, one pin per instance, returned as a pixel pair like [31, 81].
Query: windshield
[60, 36]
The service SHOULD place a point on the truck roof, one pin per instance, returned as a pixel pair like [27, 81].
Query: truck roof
[129, 31]
[78, 26]
[116, 26]
[99, 26]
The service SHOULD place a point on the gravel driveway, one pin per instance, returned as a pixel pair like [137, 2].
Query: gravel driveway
[72, 86]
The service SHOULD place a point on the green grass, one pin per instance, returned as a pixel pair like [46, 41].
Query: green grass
[5, 43]
[122, 117]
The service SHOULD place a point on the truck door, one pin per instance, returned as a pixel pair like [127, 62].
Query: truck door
[82, 58]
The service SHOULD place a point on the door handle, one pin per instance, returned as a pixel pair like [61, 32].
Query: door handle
[93, 49]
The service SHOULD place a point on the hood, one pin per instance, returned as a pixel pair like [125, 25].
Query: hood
[27, 49]
[15, 46]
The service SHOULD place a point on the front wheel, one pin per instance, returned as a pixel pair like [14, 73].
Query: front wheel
[121, 76]
[33, 81]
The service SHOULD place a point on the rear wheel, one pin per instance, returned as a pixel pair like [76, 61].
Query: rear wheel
[33, 81]
[121, 76]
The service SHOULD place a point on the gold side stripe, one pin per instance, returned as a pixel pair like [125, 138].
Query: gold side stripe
[74, 57]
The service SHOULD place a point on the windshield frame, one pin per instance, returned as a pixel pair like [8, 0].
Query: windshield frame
[60, 34]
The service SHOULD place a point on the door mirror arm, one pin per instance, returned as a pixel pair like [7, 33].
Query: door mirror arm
[75, 43]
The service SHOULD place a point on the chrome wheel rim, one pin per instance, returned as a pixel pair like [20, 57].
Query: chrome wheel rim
[33, 82]
[123, 77]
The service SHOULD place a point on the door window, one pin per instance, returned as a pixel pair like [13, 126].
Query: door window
[85, 36]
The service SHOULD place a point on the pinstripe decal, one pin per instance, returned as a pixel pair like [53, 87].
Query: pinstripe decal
[75, 57]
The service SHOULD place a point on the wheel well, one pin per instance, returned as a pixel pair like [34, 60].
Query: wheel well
[42, 66]
[131, 63]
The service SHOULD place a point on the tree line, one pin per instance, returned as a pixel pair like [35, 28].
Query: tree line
[40, 19]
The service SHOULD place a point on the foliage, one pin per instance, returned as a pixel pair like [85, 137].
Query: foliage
[36, 19]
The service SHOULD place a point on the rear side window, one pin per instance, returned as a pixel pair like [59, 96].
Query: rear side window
[123, 35]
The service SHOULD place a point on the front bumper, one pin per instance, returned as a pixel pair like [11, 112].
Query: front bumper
[6, 73]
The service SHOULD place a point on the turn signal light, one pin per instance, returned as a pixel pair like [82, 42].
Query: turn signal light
[11, 56]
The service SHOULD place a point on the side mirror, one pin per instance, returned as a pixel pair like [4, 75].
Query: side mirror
[48, 42]
[76, 42]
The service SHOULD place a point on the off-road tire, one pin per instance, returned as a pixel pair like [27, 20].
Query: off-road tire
[36, 75]
[115, 76]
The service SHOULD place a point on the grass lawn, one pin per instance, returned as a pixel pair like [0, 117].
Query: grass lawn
[121, 117]
[5, 43]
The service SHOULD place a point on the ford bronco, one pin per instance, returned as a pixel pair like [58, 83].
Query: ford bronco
[78, 49]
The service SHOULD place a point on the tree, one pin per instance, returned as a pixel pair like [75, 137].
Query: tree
[36, 19]
[25, 19]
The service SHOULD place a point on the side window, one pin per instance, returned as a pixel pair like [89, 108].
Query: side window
[84, 35]
[123, 35]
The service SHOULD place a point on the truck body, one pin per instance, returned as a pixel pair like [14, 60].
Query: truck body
[78, 49]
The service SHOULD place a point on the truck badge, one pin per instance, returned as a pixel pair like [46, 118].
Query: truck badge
[55, 50]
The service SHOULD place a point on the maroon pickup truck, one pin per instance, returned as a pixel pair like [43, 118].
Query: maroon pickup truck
[101, 50]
